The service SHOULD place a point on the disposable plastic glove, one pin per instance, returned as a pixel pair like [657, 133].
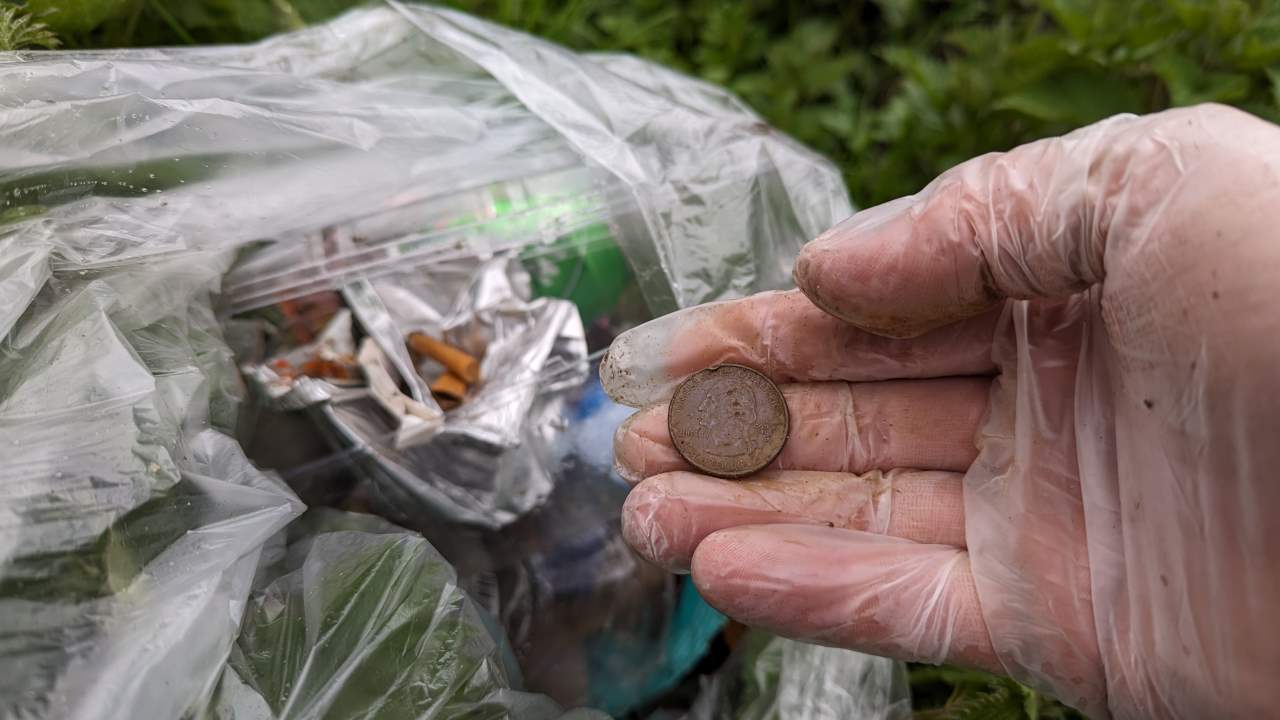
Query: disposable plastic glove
[1064, 468]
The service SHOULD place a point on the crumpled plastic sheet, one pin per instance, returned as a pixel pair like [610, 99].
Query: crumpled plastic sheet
[122, 155]
[149, 151]
[719, 229]
[773, 678]
[129, 529]
[358, 618]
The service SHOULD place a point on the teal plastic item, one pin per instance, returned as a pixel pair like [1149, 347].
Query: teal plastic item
[614, 685]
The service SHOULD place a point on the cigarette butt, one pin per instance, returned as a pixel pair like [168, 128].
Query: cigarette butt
[465, 367]
[283, 368]
[330, 369]
[450, 387]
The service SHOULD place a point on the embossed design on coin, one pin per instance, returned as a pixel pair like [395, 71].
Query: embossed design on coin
[729, 421]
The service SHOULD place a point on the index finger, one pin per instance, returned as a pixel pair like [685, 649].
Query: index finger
[1044, 220]
[789, 339]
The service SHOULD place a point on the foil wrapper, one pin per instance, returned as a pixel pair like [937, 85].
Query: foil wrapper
[483, 463]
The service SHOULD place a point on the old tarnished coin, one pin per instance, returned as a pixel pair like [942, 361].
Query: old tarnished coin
[729, 421]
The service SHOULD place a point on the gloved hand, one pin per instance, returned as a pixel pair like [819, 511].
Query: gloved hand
[1035, 425]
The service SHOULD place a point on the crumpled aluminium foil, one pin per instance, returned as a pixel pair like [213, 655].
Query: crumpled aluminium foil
[483, 463]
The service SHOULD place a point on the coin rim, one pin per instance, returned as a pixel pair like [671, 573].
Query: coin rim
[786, 422]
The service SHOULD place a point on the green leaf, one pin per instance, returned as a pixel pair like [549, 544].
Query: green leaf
[814, 37]
[932, 76]
[1075, 16]
[1036, 57]
[1259, 44]
[1031, 702]
[952, 675]
[997, 702]
[76, 16]
[1189, 84]
[361, 614]
[19, 30]
[1075, 97]
[897, 13]
[1273, 74]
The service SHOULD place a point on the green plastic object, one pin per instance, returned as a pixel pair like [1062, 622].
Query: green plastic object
[585, 267]
[583, 264]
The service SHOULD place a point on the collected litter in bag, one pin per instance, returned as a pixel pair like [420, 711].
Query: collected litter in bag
[478, 463]
[773, 678]
[336, 193]
[591, 623]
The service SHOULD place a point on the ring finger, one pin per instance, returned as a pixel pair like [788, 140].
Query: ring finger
[667, 516]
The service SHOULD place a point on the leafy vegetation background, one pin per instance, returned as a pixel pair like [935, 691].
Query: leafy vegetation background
[894, 90]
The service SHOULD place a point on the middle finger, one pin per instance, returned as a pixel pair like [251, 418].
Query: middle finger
[666, 517]
[841, 427]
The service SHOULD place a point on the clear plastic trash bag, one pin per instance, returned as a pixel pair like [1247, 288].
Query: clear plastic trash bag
[141, 152]
[148, 197]
[129, 527]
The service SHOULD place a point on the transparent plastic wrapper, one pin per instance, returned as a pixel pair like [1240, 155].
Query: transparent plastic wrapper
[148, 151]
[773, 678]
[129, 529]
[132, 534]
[355, 617]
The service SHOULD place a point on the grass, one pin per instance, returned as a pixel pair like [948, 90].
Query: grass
[895, 91]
